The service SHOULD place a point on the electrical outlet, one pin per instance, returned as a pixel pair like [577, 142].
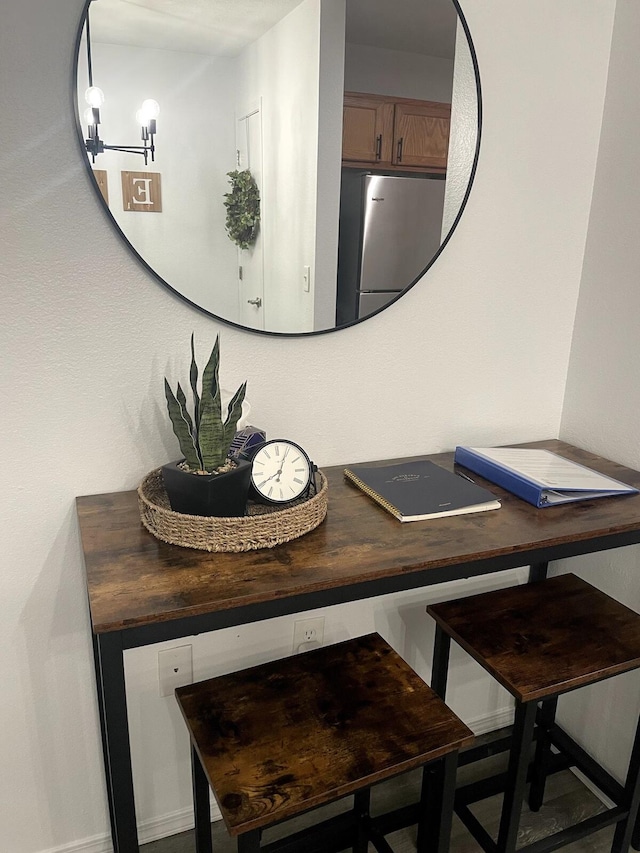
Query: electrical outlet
[308, 633]
[175, 669]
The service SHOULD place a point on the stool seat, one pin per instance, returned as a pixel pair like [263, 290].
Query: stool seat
[583, 635]
[540, 641]
[287, 736]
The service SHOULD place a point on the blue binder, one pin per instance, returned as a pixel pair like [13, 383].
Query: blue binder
[538, 491]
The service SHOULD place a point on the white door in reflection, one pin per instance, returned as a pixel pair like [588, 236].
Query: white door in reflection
[251, 307]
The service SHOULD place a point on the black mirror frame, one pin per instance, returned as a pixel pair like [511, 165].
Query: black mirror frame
[146, 266]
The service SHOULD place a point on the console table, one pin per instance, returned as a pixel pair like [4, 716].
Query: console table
[143, 591]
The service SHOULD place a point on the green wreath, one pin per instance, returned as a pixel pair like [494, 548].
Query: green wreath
[243, 208]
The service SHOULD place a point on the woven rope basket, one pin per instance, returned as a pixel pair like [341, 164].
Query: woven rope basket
[263, 527]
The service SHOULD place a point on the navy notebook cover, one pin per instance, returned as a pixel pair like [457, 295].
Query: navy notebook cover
[413, 491]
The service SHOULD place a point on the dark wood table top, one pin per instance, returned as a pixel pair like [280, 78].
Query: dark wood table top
[135, 580]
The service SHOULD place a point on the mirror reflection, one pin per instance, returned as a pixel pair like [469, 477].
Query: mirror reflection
[289, 166]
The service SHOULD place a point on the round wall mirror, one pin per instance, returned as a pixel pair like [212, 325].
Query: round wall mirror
[286, 166]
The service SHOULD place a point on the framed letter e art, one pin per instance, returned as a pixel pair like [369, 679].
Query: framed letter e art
[142, 192]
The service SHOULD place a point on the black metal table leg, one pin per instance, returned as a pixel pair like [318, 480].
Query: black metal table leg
[628, 831]
[516, 776]
[436, 805]
[112, 703]
[546, 717]
[96, 664]
[440, 666]
[361, 805]
[201, 808]
[538, 572]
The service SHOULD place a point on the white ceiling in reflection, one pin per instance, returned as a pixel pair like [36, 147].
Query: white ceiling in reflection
[224, 27]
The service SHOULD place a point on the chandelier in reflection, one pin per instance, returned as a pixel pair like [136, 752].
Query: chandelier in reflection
[146, 117]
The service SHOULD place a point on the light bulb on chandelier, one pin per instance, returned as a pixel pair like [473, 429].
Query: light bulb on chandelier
[146, 117]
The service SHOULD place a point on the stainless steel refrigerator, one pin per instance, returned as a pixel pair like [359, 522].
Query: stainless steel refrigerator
[390, 228]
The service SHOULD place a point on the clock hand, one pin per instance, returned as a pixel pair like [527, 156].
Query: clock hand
[282, 463]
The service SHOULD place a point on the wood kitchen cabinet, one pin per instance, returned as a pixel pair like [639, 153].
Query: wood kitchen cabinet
[395, 134]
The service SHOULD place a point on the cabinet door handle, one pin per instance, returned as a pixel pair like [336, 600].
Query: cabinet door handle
[400, 141]
[379, 147]
[257, 302]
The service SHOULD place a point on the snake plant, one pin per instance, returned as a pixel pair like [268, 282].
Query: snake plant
[204, 438]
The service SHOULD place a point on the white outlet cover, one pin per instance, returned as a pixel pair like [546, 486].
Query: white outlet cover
[308, 633]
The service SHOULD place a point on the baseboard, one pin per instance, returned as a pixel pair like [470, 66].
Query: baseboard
[148, 831]
[182, 820]
[490, 722]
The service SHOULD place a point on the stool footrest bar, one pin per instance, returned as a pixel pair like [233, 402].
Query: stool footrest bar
[397, 819]
[476, 828]
[379, 841]
[332, 834]
[473, 792]
[576, 832]
[583, 761]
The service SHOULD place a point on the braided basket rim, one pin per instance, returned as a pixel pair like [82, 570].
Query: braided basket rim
[265, 528]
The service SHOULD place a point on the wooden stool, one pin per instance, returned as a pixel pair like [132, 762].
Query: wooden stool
[280, 739]
[539, 641]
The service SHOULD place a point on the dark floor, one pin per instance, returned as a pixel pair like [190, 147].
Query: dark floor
[567, 801]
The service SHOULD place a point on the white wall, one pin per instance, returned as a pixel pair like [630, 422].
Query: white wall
[186, 244]
[463, 132]
[330, 105]
[602, 401]
[476, 353]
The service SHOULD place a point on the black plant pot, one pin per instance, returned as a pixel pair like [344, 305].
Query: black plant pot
[223, 495]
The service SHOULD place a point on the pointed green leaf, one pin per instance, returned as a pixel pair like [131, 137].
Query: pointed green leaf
[233, 415]
[210, 380]
[211, 433]
[181, 428]
[182, 400]
[193, 377]
[210, 428]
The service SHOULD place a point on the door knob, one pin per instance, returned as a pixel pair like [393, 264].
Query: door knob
[257, 302]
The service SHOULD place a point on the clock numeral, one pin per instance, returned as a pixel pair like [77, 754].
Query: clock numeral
[270, 490]
[296, 480]
[262, 485]
[266, 453]
[277, 449]
[281, 495]
[299, 470]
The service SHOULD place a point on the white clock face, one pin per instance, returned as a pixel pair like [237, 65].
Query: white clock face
[280, 471]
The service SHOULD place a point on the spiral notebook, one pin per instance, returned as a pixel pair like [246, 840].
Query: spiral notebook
[414, 491]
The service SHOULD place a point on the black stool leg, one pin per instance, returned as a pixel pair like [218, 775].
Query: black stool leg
[546, 718]
[436, 805]
[249, 842]
[361, 803]
[516, 776]
[628, 830]
[201, 811]
[441, 648]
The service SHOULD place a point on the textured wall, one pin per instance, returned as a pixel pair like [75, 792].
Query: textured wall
[602, 401]
[477, 353]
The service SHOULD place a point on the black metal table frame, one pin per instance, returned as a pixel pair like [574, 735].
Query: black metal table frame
[109, 648]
